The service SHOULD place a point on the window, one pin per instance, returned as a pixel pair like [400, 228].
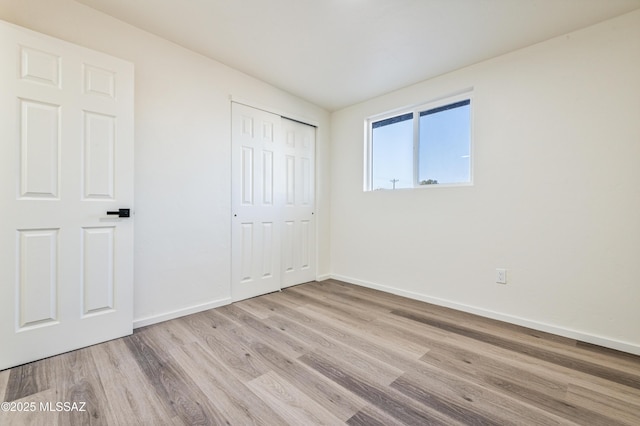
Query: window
[428, 145]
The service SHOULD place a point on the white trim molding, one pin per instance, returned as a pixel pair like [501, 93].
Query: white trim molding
[154, 319]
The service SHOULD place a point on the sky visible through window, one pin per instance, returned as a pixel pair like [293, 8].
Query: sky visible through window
[392, 149]
[444, 145]
[443, 149]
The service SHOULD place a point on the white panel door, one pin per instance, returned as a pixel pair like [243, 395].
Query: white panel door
[66, 158]
[298, 224]
[256, 199]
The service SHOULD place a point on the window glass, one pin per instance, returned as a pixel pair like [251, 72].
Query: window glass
[392, 152]
[444, 144]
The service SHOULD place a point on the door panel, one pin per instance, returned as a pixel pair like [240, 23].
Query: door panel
[298, 212]
[255, 198]
[37, 277]
[99, 156]
[66, 158]
[97, 269]
[39, 149]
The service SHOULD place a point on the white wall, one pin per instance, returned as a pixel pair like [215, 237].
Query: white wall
[183, 148]
[556, 198]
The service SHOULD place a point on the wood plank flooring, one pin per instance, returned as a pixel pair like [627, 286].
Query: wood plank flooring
[329, 353]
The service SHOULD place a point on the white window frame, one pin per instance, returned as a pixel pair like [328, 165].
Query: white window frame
[416, 110]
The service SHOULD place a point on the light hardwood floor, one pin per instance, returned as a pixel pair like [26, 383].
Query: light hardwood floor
[330, 353]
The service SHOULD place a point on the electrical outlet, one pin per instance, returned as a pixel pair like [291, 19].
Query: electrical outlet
[501, 276]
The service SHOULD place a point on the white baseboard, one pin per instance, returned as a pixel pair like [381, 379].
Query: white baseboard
[154, 319]
[548, 328]
[323, 277]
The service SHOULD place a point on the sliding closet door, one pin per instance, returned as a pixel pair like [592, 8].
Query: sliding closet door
[298, 225]
[256, 201]
[272, 197]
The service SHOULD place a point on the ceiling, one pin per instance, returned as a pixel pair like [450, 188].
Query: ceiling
[335, 53]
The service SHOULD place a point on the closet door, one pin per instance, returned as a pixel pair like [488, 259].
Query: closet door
[256, 198]
[298, 224]
[273, 192]
[66, 158]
